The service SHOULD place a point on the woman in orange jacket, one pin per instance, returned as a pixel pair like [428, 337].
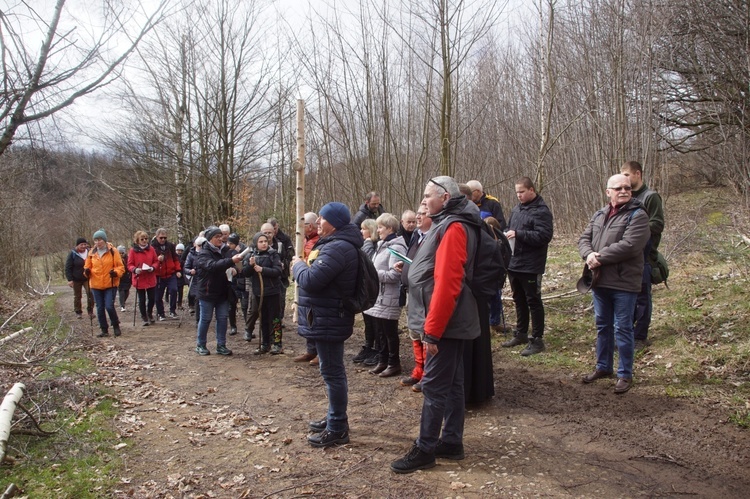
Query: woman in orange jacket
[104, 268]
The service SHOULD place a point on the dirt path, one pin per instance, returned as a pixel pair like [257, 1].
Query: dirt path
[236, 427]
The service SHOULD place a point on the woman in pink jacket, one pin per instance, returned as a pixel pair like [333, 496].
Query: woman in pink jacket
[143, 265]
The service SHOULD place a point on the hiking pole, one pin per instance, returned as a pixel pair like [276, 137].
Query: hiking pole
[260, 315]
[135, 307]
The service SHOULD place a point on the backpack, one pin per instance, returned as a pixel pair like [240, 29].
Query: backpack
[491, 260]
[659, 269]
[366, 287]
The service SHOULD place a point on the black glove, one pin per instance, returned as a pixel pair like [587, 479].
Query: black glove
[112, 273]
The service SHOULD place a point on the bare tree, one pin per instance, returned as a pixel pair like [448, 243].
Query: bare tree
[69, 63]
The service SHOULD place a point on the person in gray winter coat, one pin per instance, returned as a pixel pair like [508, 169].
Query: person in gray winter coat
[386, 310]
[612, 246]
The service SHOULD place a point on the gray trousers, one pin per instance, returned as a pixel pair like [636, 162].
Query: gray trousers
[443, 391]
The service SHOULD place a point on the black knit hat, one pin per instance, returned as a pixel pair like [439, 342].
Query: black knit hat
[80, 240]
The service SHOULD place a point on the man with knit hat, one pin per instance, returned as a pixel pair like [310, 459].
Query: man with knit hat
[76, 279]
[324, 281]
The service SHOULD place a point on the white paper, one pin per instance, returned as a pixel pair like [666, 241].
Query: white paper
[146, 267]
[512, 242]
[230, 274]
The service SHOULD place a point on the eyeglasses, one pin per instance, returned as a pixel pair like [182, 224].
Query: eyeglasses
[161, 237]
[625, 188]
[143, 238]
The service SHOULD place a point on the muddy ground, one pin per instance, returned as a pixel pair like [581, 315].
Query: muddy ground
[230, 427]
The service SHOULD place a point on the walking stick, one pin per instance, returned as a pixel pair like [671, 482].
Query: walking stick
[260, 313]
[135, 308]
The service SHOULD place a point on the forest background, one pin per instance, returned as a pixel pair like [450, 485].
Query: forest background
[136, 115]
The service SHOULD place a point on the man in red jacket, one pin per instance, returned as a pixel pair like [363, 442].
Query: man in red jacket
[168, 273]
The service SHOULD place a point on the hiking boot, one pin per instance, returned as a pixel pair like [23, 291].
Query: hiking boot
[516, 340]
[116, 330]
[249, 335]
[318, 426]
[223, 350]
[327, 438]
[202, 350]
[390, 371]
[414, 460]
[417, 387]
[408, 381]
[305, 357]
[233, 331]
[378, 369]
[363, 354]
[103, 334]
[449, 451]
[276, 349]
[261, 350]
[536, 345]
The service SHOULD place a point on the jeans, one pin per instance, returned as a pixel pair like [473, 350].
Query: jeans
[105, 301]
[331, 355]
[614, 326]
[643, 307]
[207, 310]
[168, 284]
[527, 295]
[443, 391]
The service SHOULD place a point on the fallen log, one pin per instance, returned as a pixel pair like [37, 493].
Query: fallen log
[15, 335]
[7, 408]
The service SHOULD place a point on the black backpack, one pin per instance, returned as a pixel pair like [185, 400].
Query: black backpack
[491, 260]
[366, 287]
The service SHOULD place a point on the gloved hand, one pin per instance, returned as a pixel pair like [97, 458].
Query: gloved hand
[112, 273]
[137, 271]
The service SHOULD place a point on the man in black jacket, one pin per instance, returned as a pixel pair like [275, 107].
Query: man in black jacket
[76, 279]
[530, 234]
[371, 208]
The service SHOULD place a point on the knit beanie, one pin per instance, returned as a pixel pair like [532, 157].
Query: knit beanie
[100, 234]
[211, 232]
[121, 248]
[179, 247]
[257, 236]
[80, 240]
[336, 214]
[233, 238]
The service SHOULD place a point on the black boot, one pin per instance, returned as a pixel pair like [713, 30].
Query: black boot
[536, 345]
[414, 460]
[517, 339]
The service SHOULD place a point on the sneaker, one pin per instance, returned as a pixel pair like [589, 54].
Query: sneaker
[223, 350]
[318, 426]
[151, 319]
[372, 360]
[116, 330]
[102, 334]
[327, 438]
[417, 387]
[362, 355]
[172, 315]
[202, 350]
[122, 309]
[261, 350]
[449, 451]
[276, 350]
[145, 323]
[161, 318]
[516, 340]
[233, 331]
[79, 315]
[414, 460]
[536, 345]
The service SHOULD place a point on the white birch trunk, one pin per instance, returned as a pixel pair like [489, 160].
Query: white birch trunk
[7, 409]
[299, 167]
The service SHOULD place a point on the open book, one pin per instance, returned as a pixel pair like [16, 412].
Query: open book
[400, 256]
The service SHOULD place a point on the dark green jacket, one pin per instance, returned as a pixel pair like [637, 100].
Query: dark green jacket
[655, 208]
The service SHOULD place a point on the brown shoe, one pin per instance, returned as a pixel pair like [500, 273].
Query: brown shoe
[408, 381]
[590, 378]
[623, 385]
[305, 357]
[390, 371]
[315, 361]
[378, 369]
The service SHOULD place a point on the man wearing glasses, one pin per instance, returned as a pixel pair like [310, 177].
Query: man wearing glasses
[169, 271]
[612, 246]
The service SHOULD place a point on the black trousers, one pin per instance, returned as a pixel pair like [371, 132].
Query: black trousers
[527, 295]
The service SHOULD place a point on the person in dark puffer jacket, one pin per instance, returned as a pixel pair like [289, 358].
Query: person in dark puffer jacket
[329, 275]
[212, 288]
[265, 266]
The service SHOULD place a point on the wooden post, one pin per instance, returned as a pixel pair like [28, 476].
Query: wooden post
[299, 167]
[7, 408]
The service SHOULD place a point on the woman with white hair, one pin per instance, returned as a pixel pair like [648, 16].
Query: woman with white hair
[386, 310]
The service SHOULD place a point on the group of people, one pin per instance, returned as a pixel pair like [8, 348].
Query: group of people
[449, 327]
